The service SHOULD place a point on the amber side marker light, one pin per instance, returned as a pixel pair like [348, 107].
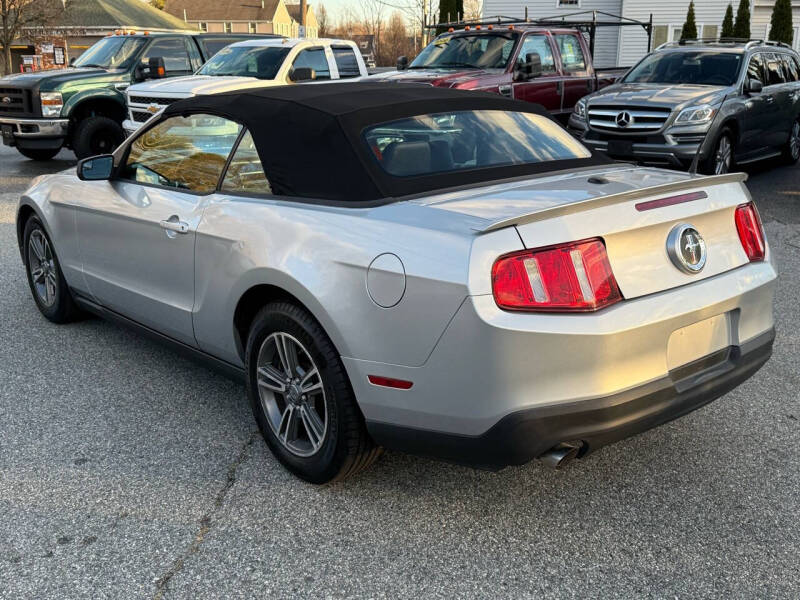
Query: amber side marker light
[398, 384]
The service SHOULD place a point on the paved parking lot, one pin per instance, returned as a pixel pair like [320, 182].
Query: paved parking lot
[129, 472]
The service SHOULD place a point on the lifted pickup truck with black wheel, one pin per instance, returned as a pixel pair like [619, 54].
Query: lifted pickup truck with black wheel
[83, 107]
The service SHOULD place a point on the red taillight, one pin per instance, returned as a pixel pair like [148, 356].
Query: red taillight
[400, 384]
[751, 233]
[572, 277]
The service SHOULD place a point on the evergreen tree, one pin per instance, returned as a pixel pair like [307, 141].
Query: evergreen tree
[727, 24]
[742, 27]
[781, 29]
[689, 31]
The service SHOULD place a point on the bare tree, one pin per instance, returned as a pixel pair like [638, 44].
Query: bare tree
[15, 15]
[372, 21]
[323, 21]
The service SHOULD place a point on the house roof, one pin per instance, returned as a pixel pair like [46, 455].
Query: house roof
[223, 10]
[118, 13]
[294, 11]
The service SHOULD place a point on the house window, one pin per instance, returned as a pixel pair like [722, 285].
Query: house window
[710, 32]
[568, 3]
[204, 27]
[252, 27]
[660, 35]
[228, 27]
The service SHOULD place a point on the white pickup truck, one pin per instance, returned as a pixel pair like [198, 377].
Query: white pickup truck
[249, 64]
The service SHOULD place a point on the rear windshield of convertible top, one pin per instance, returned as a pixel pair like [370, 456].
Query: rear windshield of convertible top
[470, 139]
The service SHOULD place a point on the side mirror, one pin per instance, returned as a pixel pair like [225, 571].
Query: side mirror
[533, 65]
[96, 168]
[155, 67]
[303, 74]
[753, 86]
[71, 61]
[402, 63]
[138, 73]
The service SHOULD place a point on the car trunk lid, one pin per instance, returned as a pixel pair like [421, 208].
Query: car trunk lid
[632, 210]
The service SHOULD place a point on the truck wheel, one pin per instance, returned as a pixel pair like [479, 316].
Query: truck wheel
[39, 153]
[302, 398]
[96, 135]
[791, 151]
[720, 160]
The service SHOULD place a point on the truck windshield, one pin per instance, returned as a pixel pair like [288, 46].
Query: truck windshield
[246, 61]
[698, 68]
[115, 52]
[479, 51]
[468, 139]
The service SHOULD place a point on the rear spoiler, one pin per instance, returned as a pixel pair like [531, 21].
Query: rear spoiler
[600, 201]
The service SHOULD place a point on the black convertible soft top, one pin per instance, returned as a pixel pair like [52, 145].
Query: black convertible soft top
[309, 137]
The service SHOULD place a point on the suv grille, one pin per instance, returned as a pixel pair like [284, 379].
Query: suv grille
[627, 119]
[16, 102]
[139, 116]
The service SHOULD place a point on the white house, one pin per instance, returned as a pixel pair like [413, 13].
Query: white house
[624, 46]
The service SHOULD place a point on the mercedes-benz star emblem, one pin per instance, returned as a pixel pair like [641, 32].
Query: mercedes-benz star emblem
[6, 99]
[686, 248]
[624, 119]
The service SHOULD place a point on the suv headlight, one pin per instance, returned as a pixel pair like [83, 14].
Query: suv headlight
[696, 115]
[580, 109]
[51, 104]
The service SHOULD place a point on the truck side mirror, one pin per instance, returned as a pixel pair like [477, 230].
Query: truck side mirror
[299, 74]
[402, 63]
[156, 68]
[72, 61]
[753, 86]
[530, 69]
[96, 168]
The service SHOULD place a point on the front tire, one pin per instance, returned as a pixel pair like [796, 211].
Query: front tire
[302, 399]
[721, 159]
[96, 135]
[791, 151]
[39, 153]
[45, 278]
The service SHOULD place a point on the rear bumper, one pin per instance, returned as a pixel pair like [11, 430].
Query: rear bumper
[521, 436]
[35, 133]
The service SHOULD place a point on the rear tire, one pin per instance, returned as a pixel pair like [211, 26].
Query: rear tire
[720, 160]
[96, 135]
[302, 398]
[45, 278]
[791, 150]
[39, 153]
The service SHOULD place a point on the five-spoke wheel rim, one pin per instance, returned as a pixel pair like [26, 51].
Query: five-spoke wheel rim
[794, 141]
[723, 157]
[42, 267]
[292, 395]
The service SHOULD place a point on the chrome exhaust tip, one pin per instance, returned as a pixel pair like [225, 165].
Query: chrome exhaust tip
[559, 455]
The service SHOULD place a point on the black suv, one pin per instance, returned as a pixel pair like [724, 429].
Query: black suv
[744, 97]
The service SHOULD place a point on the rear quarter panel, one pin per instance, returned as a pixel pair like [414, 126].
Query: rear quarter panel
[321, 256]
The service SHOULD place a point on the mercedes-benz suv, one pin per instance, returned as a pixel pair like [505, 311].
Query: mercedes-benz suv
[744, 97]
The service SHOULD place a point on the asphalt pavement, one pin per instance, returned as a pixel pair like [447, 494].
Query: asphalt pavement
[127, 471]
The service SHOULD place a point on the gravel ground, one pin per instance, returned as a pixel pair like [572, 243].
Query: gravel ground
[127, 471]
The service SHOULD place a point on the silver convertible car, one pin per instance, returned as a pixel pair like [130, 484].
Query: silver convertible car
[440, 272]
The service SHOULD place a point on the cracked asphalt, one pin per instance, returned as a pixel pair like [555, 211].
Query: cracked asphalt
[127, 471]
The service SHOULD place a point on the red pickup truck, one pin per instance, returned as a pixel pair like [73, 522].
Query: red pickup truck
[498, 58]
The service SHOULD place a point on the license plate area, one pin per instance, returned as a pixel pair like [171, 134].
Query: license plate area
[699, 340]
[620, 148]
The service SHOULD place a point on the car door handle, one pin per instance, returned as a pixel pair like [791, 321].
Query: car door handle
[175, 224]
[770, 99]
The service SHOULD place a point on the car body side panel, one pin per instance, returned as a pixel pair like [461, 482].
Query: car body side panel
[321, 256]
[52, 200]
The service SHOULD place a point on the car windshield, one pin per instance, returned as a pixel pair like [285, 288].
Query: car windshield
[473, 139]
[479, 51]
[246, 61]
[698, 68]
[115, 52]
